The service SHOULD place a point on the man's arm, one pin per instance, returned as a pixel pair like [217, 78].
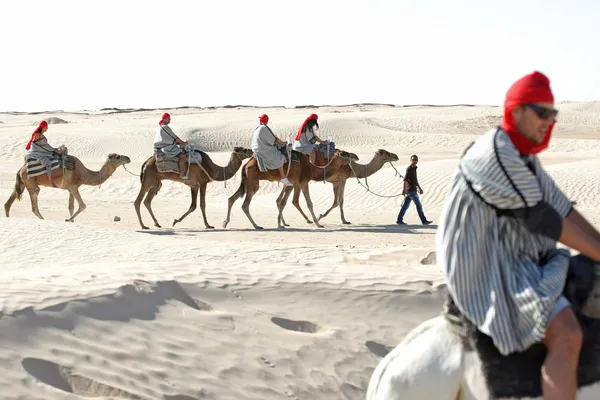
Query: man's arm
[573, 236]
[584, 225]
[405, 182]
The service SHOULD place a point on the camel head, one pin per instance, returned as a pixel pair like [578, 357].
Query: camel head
[386, 156]
[347, 156]
[118, 159]
[242, 152]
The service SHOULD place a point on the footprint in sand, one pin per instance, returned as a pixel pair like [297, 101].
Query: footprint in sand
[298, 326]
[430, 259]
[378, 349]
[267, 362]
[63, 378]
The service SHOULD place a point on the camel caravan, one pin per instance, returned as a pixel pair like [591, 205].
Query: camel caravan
[295, 165]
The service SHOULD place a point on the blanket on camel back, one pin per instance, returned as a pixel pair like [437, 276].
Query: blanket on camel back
[518, 375]
[167, 164]
[36, 168]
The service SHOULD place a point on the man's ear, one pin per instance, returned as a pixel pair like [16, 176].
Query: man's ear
[517, 113]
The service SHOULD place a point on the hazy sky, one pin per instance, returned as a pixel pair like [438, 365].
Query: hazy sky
[61, 54]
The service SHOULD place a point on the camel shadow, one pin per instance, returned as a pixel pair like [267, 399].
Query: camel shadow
[390, 228]
[157, 231]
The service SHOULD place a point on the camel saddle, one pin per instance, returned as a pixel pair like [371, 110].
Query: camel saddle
[295, 154]
[321, 159]
[518, 375]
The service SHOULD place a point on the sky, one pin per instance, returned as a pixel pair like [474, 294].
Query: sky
[87, 55]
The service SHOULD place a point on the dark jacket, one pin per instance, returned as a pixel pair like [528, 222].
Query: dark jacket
[411, 183]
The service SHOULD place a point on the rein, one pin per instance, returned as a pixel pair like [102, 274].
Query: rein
[367, 188]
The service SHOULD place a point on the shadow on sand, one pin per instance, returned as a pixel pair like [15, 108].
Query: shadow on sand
[393, 228]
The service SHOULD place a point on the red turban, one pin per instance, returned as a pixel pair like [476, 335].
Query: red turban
[532, 88]
[164, 116]
[42, 124]
[311, 116]
[264, 119]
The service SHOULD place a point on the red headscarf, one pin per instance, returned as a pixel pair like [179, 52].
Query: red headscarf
[263, 119]
[42, 124]
[311, 116]
[532, 88]
[164, 116]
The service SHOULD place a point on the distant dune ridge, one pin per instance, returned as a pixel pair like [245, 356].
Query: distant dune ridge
[100, 308]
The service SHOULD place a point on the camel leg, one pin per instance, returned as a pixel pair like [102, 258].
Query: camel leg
[33, 196]
[336, 198]
[81, 205]
[194, 191]
[148, 203]
[9, 203]
[203, 206]
[296, 203]
[16, 193]
[281, 202]
[341, 189]
[246, 208]
[233, 198]
[71, 204]
[138, 202]
[309, 204]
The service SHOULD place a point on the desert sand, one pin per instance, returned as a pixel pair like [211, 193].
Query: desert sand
[102, 309]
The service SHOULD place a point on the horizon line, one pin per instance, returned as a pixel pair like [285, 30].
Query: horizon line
[229, 106]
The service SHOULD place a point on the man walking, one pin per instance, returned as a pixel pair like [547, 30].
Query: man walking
[411, 186]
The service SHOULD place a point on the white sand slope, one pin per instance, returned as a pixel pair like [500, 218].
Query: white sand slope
[102, 309]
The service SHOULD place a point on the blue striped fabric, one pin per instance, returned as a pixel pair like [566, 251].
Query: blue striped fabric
[35, 168]
[502, 277]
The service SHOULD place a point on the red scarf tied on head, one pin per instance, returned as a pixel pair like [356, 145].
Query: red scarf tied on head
[263, 119]
[42, 125]
[532, 88]
[164, 116]
[311, 116]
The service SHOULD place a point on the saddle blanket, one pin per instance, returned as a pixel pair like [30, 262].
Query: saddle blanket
[167, 164]
[261, 164]
[36, 168]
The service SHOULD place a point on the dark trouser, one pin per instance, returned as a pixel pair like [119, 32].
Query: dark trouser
[408, 198]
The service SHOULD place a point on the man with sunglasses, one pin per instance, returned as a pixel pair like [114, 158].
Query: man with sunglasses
[498, 234]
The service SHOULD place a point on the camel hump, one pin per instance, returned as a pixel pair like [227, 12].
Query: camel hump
[517, 375]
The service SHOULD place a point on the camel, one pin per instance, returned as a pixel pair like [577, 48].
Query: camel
[72, 179]
[299, 173]
[436, 360]
[151, 179]
[339, 182]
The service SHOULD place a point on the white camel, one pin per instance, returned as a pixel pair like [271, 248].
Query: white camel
[433, 362]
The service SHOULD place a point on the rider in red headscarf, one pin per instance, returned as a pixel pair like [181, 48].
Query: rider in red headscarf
[39, 149]
[306, 138]
[497, 240]
[169, 144]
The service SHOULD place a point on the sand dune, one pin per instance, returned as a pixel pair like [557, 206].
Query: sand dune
[102, 309]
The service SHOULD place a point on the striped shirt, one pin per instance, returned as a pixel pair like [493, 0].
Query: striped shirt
[504, 278]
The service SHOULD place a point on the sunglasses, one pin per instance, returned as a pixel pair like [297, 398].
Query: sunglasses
[542, 112]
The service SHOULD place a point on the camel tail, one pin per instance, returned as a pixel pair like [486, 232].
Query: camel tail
[19, 187]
